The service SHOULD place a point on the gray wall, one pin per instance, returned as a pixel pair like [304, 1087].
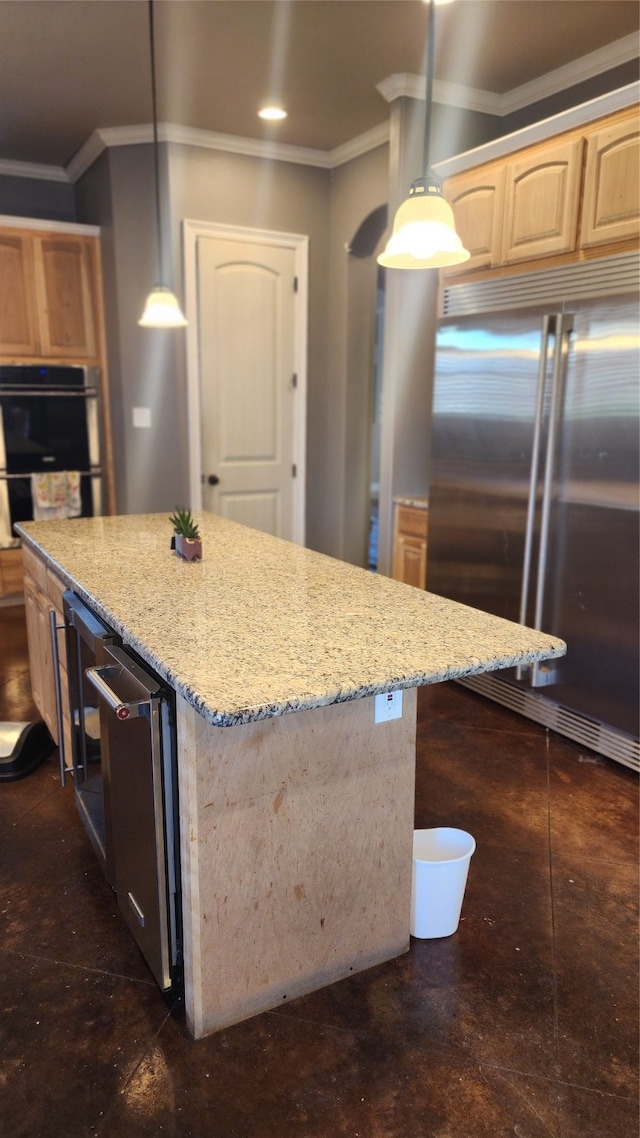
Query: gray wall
[35, 197]
[117, 193]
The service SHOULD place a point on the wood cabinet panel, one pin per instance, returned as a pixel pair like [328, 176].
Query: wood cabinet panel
[38, 607]
[11, 573]
[477, 200]
[410, 546]
[64, 283]
[32, 616]
[50, 296]
[611, 206]
[542, 196]
[18, 321]
[578, 191]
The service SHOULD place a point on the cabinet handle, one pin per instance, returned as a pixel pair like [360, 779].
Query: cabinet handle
[55, 629]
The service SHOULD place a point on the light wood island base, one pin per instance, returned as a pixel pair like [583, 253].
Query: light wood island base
[296, 853]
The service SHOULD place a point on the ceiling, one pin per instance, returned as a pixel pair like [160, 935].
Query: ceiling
[68, 67]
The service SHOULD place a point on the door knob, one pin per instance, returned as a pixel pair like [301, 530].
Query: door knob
[213, 480]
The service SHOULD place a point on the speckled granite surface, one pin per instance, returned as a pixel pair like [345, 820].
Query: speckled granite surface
[261, 627]
[417, 502]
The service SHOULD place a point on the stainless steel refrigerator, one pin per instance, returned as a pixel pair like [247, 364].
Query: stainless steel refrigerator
[533, 496]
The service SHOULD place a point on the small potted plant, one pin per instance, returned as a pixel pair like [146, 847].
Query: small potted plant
[186, 535]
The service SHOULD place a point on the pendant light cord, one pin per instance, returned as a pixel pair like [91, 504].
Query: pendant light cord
[156, 160]
[429, 86]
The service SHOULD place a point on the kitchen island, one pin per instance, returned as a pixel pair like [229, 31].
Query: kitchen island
[295, 804]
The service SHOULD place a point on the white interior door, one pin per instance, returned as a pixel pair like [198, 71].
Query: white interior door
[250, 462]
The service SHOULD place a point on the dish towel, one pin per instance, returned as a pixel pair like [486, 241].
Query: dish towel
[56, 495]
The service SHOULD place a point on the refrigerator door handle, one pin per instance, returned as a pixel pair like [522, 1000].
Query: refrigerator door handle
[547, 329]
[535, 460]
[564, 327]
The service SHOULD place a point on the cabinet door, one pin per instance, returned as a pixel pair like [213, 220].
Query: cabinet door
[611, 209]
[31, 609]
[18, 324]
[64, 272]
[37, 607]
[542, 198]
[410, 546]
[11, 573]
[477, 200]
[410, 561]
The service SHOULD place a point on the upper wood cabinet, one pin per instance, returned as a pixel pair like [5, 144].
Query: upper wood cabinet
[542, 196]
[18, 335]
[65, 280]
[49, 290]
[611, 205]
[477, 200]
[553, 200]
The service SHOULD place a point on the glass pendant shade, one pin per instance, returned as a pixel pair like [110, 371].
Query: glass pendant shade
[424, 234]
[162, 310]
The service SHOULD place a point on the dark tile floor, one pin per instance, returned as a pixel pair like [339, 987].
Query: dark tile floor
[525, 1022]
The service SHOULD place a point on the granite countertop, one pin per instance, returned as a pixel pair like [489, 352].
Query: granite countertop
[417, 501]
[261, 627]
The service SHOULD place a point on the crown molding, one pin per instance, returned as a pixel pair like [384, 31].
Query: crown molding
[449, 94]
[393, 87]
[33, 170]
[8, 222]
[370, 140]
[539, 132]
[587, 67]
[191, 136]
[468, 98]
[102, 139]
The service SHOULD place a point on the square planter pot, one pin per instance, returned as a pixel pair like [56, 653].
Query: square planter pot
[189, 548]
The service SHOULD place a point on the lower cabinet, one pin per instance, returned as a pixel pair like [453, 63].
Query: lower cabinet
[10, 573]
[42, 596]
[410, 546]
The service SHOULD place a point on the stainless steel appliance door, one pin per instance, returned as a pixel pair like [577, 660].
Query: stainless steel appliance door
[141, 805]
[86, 640]
[490, 416]
[591, 583]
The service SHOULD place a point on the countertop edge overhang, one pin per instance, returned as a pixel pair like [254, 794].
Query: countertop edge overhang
[261, 627]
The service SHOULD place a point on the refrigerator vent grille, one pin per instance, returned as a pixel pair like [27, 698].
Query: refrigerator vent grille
[598, 737]
[608, 276]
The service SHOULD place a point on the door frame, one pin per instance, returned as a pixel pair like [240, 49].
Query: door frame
[299, 243]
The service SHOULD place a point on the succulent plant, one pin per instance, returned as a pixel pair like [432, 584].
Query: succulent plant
[184, 524]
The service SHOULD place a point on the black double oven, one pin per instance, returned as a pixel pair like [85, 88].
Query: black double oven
[49, 421]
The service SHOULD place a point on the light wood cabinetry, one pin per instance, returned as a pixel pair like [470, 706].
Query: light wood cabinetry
[66, 286]
[49, 296]
[18, 321]
[611, 206]
[43, 594]
[10, 573]
[477, 200]
[410, 546]
[556, 200]
[542, 196]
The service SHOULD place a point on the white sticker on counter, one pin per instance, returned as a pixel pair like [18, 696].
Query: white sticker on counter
[388, 706]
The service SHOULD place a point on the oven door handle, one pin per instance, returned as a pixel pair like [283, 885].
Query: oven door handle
[55, 629]
[129, 709]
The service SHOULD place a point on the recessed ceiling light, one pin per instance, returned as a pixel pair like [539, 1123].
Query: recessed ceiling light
[272, 114]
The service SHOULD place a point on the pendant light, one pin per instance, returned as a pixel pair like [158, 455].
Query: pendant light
[424, 234]
[162, 309]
